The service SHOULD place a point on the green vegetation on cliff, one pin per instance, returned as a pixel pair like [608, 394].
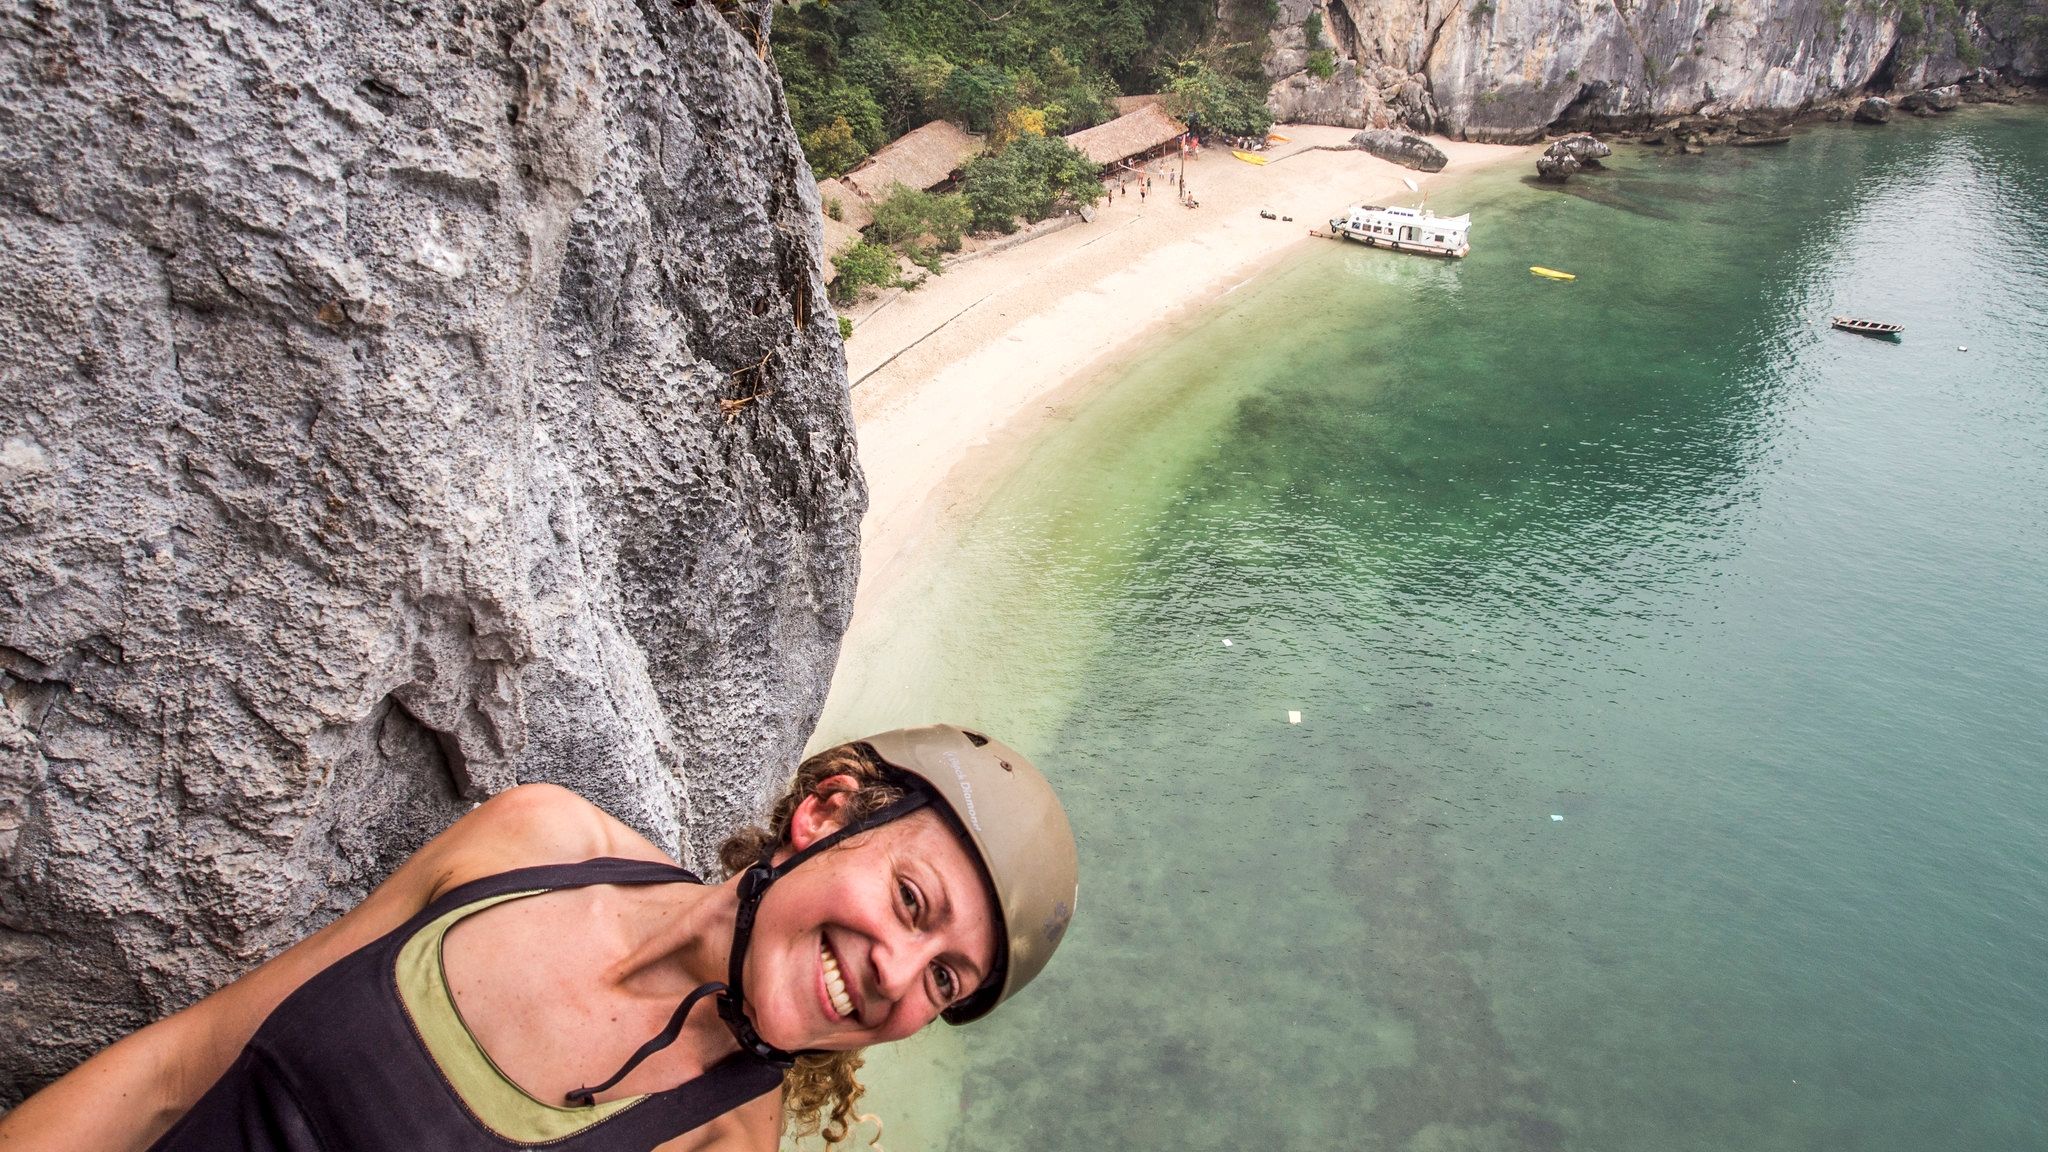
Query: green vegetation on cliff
[859, 73]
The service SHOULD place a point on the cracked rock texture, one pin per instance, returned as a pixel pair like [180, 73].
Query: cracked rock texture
[1506, 70]
[376, 435]
[1401, 148]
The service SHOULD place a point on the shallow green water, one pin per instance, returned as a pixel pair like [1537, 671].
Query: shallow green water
[1760, 609]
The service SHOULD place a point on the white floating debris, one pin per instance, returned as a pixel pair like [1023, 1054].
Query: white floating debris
[1226, 643]
[1555, 816]
[1293, 717]
[1959, 348]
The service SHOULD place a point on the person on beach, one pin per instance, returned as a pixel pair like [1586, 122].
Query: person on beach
[528, 977]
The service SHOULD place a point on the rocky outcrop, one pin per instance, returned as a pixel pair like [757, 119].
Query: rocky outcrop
[1946, 98]
[401, 402]
[1401, 148]
[1507, 70]
[1874, 110]
[1565, 158]
[1352, 98]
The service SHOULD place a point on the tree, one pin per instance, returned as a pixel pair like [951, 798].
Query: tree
[1033, 178]
[921, 225]
[860, 267]
[909, 84]
[1020, 122]
[832, 148]
[976, 95]
[1213, 101]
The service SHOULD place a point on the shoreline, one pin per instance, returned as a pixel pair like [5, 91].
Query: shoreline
[978, 355]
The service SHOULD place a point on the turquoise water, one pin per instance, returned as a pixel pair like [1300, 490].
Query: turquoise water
[1760, 609]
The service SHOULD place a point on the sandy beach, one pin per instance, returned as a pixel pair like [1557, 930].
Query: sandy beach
[940, 372]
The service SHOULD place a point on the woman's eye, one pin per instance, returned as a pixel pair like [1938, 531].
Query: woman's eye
[947, 988]
[909, 895]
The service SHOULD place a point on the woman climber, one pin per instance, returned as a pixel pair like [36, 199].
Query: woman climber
[529, 976]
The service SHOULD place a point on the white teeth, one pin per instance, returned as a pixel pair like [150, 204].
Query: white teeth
[835, 985]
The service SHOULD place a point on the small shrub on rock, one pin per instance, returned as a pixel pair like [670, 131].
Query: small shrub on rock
[861, 267]
[921, 225]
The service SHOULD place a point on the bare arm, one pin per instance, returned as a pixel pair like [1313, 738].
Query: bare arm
[129, 1095]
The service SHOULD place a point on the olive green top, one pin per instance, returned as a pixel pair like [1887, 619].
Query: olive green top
[490, 1095]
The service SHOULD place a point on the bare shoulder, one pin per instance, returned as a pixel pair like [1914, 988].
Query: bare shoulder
[535, 824]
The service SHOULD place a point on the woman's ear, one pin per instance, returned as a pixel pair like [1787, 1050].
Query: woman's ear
[823, 812]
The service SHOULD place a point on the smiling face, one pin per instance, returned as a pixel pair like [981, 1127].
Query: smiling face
[871, 940]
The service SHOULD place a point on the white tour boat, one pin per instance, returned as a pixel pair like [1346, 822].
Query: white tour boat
[1406, 229]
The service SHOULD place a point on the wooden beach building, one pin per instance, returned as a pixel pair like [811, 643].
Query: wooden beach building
[1131, 138]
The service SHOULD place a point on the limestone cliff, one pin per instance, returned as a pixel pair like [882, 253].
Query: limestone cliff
[397, 402]
[1508, 69]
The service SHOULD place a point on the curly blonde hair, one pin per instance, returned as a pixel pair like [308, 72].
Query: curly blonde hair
[818, 1095]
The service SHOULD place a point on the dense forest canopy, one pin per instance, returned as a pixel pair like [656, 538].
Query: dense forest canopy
[859, 73]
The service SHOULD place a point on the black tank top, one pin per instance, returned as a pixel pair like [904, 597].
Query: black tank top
[339, 1065]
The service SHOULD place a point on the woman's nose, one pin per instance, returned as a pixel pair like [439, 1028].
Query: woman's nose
[899, 965]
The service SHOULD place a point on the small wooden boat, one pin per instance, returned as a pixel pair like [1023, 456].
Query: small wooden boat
[1867, 327]
[1551, 273]
[1249, 157]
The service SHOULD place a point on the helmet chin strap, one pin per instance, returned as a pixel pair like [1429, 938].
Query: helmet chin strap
[732, 997]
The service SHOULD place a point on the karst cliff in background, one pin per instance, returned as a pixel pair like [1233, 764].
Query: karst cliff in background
[1509, 69]
[401, 402]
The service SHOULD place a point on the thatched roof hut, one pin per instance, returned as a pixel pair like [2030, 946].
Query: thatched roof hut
[839, 236]
[920, 159]
[1126, 136]
[853, 210]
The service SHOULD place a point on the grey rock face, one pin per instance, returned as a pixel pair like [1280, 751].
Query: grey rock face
[1401, 148]
[1588, 150]
[1365, 91]
[1874, 110]
[1506, 70]
[1566, 157]
[401, 402]
[1345, 100]
[1946, 98]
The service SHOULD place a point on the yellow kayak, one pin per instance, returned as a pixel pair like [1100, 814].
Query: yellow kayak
[1249, 157]
[1551, 273]
[1275, 138]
